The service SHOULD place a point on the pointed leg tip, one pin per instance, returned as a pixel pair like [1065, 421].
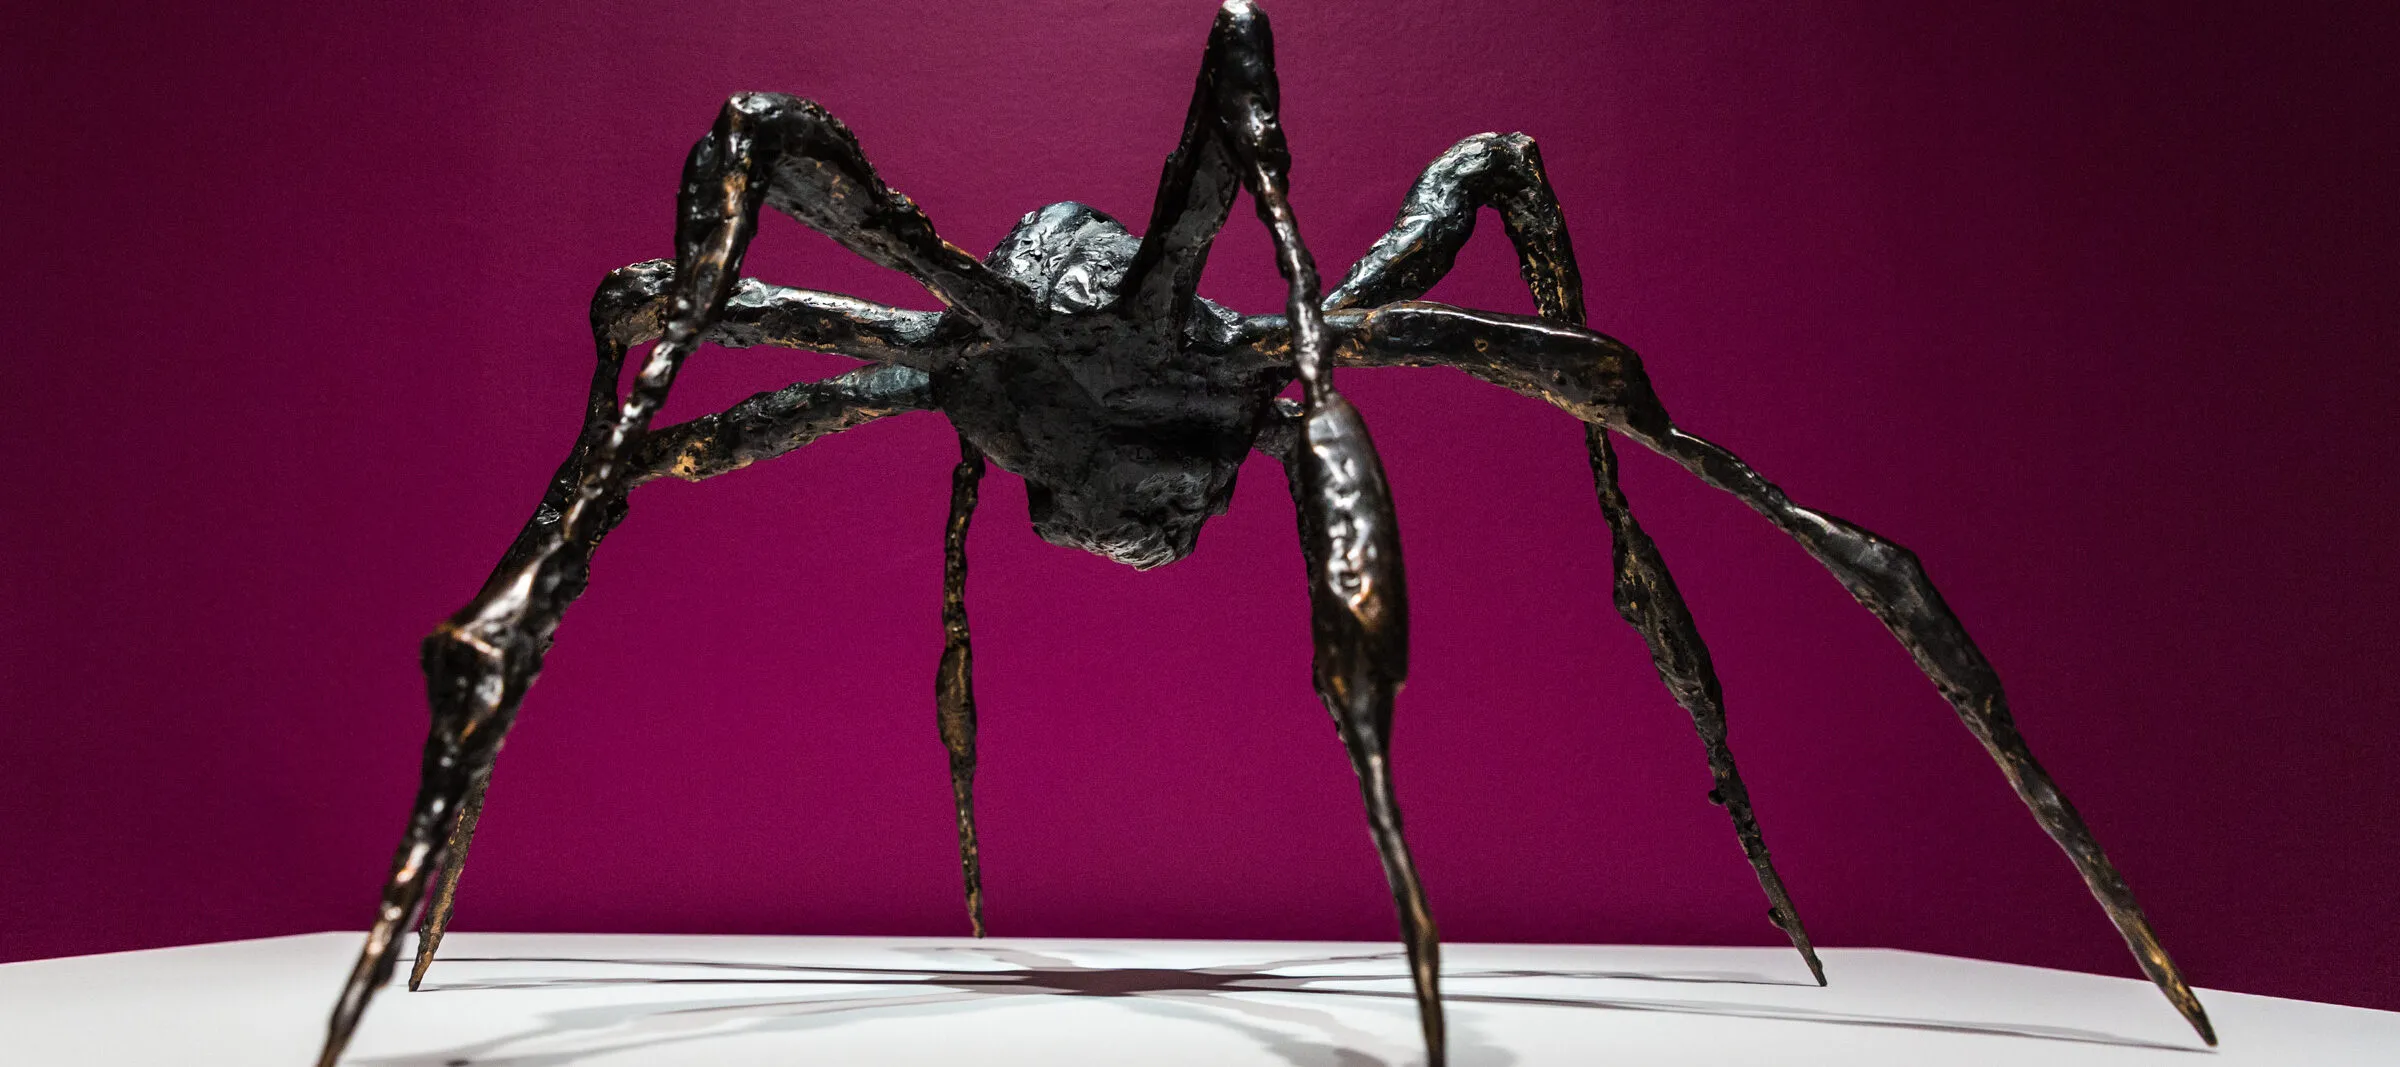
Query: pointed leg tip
[424, 963]
[1789, 922]
[338, 1029]
[332, 1053]
[2187, 1002]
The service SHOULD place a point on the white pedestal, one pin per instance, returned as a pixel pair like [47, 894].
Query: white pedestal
[552, 1000]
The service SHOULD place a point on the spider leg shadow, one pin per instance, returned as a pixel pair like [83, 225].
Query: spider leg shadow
[1299, 1034]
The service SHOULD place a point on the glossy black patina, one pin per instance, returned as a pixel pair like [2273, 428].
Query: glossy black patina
[1127, 430]
[1081, 358]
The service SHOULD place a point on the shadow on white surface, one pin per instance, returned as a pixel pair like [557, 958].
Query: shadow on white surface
[1253, 1001]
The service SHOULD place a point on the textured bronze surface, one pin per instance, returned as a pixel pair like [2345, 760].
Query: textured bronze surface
[1081, 359]
[1647, 598]
[954, 679]
[445, 893]
[1504, 172]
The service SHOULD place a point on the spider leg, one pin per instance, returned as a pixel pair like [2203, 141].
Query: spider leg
[1888, 580]
[1499, 171]
[772, 423]
[1233, 138]
[434, 922]
[1647, 598]
[954, 681]
[1358, 616]
[480, 661]
[809, 166]
[1601, 381]
[1504, 172]
[1195, 194]
[764, 426]
[625, 313]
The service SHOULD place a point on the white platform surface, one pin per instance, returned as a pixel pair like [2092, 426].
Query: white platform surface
[553, 1000]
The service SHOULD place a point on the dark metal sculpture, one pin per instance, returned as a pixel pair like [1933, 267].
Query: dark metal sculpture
[1080, 358]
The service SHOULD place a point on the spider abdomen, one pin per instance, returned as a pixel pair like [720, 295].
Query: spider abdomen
[1128, 433]
[1121, 455]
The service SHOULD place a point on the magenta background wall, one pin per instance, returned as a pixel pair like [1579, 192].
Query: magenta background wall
[2092, 305]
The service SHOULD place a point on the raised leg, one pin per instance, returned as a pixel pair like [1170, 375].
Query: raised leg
[1601, 381]
[954, 681]
[810, 167]
[479, 662]
[1504, 172]
[1501, 171]
[1195, 194]
[1358, 601]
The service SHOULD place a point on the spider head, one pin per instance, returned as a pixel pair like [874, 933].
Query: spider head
[1071, 256]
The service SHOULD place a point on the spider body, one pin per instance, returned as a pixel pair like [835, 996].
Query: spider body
[1081, 358]
[1128, 432]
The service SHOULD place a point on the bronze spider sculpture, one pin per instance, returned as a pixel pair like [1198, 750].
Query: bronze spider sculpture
[1080, 358]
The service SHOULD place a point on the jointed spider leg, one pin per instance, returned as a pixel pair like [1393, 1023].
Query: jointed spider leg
[1647, 598]
[1358, 615]
[1196, 188]
[479, 663]
[772, 423]
[627, 312]
[630, 310]
[1888, 580]
[1601, 381]
[954, 681]
[1358, 602]
[1495, 170]
[1504, 172]
[812, 169]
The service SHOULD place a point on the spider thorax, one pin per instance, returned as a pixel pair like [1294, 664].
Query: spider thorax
[1128, 433]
